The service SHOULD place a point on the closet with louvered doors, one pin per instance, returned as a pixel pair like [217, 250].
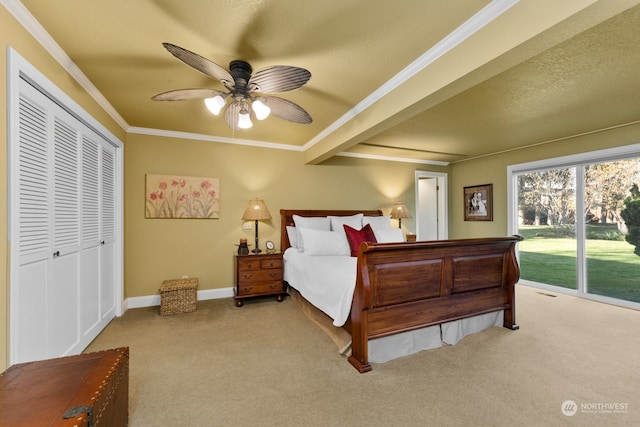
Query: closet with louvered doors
[63, 212]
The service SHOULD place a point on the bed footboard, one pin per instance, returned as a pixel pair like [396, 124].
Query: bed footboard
[405, 286]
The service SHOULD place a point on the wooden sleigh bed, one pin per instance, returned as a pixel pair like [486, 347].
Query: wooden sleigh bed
[405, 286]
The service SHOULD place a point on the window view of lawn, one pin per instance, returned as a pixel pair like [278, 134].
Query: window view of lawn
[601, 198]
[548, 255]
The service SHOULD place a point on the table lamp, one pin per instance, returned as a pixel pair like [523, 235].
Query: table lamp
[256, 211]
[399, 211]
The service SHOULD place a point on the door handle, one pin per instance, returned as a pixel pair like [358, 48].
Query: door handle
[56, 253]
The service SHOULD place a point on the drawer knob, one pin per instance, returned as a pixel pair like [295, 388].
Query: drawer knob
[248, 276]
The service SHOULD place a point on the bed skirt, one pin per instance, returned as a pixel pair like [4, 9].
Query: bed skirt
[402, 344]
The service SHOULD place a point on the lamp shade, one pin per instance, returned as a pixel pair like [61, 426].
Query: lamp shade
[215, 104]
[261, 109]
[256, 210]
[399, 211]
[244, 119]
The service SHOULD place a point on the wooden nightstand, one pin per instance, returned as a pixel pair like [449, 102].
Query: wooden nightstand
[259, 275]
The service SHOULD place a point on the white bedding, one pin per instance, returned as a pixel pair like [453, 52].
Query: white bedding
[328, 282]
[328, 288]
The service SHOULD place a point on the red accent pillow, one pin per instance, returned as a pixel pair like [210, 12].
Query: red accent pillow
[355, 237]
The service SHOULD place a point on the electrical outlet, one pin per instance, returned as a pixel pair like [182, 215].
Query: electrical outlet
[246, 225]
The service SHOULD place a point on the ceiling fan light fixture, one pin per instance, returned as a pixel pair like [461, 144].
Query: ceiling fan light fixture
[215, 104]
[260, 109]
[244, 118]
[246, 91]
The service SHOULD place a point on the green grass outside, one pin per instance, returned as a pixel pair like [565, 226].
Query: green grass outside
[613, 269]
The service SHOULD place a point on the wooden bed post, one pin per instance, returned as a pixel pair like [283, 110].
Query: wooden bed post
[513, 275]
[359, 345]
[359, 358]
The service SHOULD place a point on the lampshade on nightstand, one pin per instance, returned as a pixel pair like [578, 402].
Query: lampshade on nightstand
[399, 211]
[256, 211]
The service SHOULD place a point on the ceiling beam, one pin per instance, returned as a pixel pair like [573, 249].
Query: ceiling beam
[501, 36]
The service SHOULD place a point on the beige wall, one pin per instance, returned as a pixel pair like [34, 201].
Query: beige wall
[13, 34]
[493, 170]
[159, 249]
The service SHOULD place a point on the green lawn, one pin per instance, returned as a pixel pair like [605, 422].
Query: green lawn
[612, 268]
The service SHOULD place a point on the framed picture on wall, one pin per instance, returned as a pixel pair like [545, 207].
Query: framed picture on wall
[171, 196]
[478, 203]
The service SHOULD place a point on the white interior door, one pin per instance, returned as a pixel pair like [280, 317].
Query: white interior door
[63, 321]
[90, 255]
[431, 206]
[108, 240]
[64, 207]
[30, 220]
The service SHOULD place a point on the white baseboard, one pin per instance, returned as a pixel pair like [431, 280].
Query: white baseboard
[154, 300]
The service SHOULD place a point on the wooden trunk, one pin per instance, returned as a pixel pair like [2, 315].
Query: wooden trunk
[85, 390]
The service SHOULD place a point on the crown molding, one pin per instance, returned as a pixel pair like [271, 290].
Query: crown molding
[391, 158]
[22, 15]
[476, 22]
[457, 36]
[212, 138]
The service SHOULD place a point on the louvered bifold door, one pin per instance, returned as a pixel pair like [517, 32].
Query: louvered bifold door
[31, 222]
[63, 318]
[90, 242]
[63, 213]
[107, 232]
[47, 318]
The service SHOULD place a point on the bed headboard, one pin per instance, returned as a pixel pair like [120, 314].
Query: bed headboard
[286, 218]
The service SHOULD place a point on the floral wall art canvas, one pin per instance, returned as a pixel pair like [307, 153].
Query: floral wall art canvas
[169, 196]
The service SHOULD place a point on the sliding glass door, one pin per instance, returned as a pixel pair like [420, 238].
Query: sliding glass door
[571, 218]
[612, 267]
[547, 221]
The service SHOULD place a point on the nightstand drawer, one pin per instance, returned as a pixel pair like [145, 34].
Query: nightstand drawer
[271, 263]
[260, 288]
[259, 275]
[257, 264]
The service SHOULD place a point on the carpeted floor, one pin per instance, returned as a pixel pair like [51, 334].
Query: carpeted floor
[266, 364]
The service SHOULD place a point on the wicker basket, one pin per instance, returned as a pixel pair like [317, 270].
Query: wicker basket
[178, 296]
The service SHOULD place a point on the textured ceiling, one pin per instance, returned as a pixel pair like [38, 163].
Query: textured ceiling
[487, 77]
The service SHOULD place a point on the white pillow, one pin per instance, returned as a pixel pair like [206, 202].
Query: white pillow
[322, 242]
[390, 235]
[353, 221]
[316, 223]
[292, 234]
[377, 222]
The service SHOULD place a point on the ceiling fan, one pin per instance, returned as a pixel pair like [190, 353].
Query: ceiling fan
[246, 92]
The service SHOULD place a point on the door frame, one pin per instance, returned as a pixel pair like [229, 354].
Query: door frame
[17, 68]
[443, 201]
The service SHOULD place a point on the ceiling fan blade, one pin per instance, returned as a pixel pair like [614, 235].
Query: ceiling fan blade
[287, 110]
[231, 115]
[278, 78]
[186, 94]
[201, 64]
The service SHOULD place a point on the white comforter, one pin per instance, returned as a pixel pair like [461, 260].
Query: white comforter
[328, 282]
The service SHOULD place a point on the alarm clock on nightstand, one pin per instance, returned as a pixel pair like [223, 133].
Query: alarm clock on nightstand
[271, 248]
